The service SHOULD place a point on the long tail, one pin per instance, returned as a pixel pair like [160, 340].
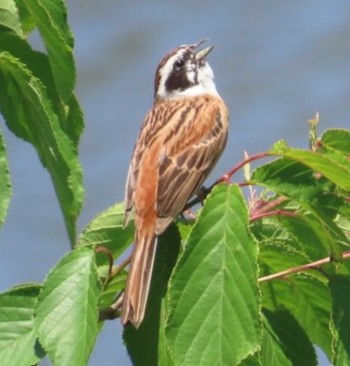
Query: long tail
[139, 279]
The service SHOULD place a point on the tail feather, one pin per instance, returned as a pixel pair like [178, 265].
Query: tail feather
[139, 279]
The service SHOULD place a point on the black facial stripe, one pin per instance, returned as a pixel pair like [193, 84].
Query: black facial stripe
[161, 65]
[178, 80]
[196, 75]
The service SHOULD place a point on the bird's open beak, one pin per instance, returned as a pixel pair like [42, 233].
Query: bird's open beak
[203, 53]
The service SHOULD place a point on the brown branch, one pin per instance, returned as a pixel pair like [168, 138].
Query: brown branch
[266, 206]
[244, 184]
[240, 165]
[261, 215]
[302, 268]
[121, 266]
[112, 272]
[225, 178]
[112, 311]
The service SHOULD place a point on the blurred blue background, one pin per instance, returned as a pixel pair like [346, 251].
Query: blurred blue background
[276, 64]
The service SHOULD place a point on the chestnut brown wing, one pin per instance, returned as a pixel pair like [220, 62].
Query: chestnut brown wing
[189, 156]
[151, 128]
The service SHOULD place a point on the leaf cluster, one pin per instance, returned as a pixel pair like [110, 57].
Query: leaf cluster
[37, 98]
[249, 279]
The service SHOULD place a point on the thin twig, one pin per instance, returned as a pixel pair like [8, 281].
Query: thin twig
[266, 206]
[112, 311]
[260, 215]
[108, 253]
[121, 266]
[244, 184]
[302, 268]
[226, 178]
[238, 166]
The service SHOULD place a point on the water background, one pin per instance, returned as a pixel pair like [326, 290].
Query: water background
[276, 64]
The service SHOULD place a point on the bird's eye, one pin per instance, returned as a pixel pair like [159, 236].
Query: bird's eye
[179, 63]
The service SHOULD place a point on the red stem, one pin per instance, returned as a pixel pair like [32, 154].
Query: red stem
[238, 166]
[266, 206]
[225, 177]
[261, 215]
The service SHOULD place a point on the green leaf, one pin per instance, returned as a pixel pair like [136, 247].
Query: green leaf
[275, 257]
[73, 124]
[272, 350]
[107, 229]
[28, 112]
[164, 355]
[9, 16]
[279, 247]
[252, 360]
[335, 146]
[185, 226]
[340, 289]
[291, 178]
[18, 340]
[214, 305]
[5, 182]
[298, 182]
[337, 139]
[50, 17]
[308, 230]
[27, 22]
[308, 300]
[341, 357]
[70, 115]
[66, 317]
[147, 345]
[285, 342]
[336, 172]
[35, 61]
[114, 287]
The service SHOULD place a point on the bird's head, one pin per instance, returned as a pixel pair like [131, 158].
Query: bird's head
[183, 72]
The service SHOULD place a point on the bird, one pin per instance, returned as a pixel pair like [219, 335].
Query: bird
[179, 143]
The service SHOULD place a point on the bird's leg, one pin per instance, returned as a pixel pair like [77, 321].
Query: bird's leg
[202, 193]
